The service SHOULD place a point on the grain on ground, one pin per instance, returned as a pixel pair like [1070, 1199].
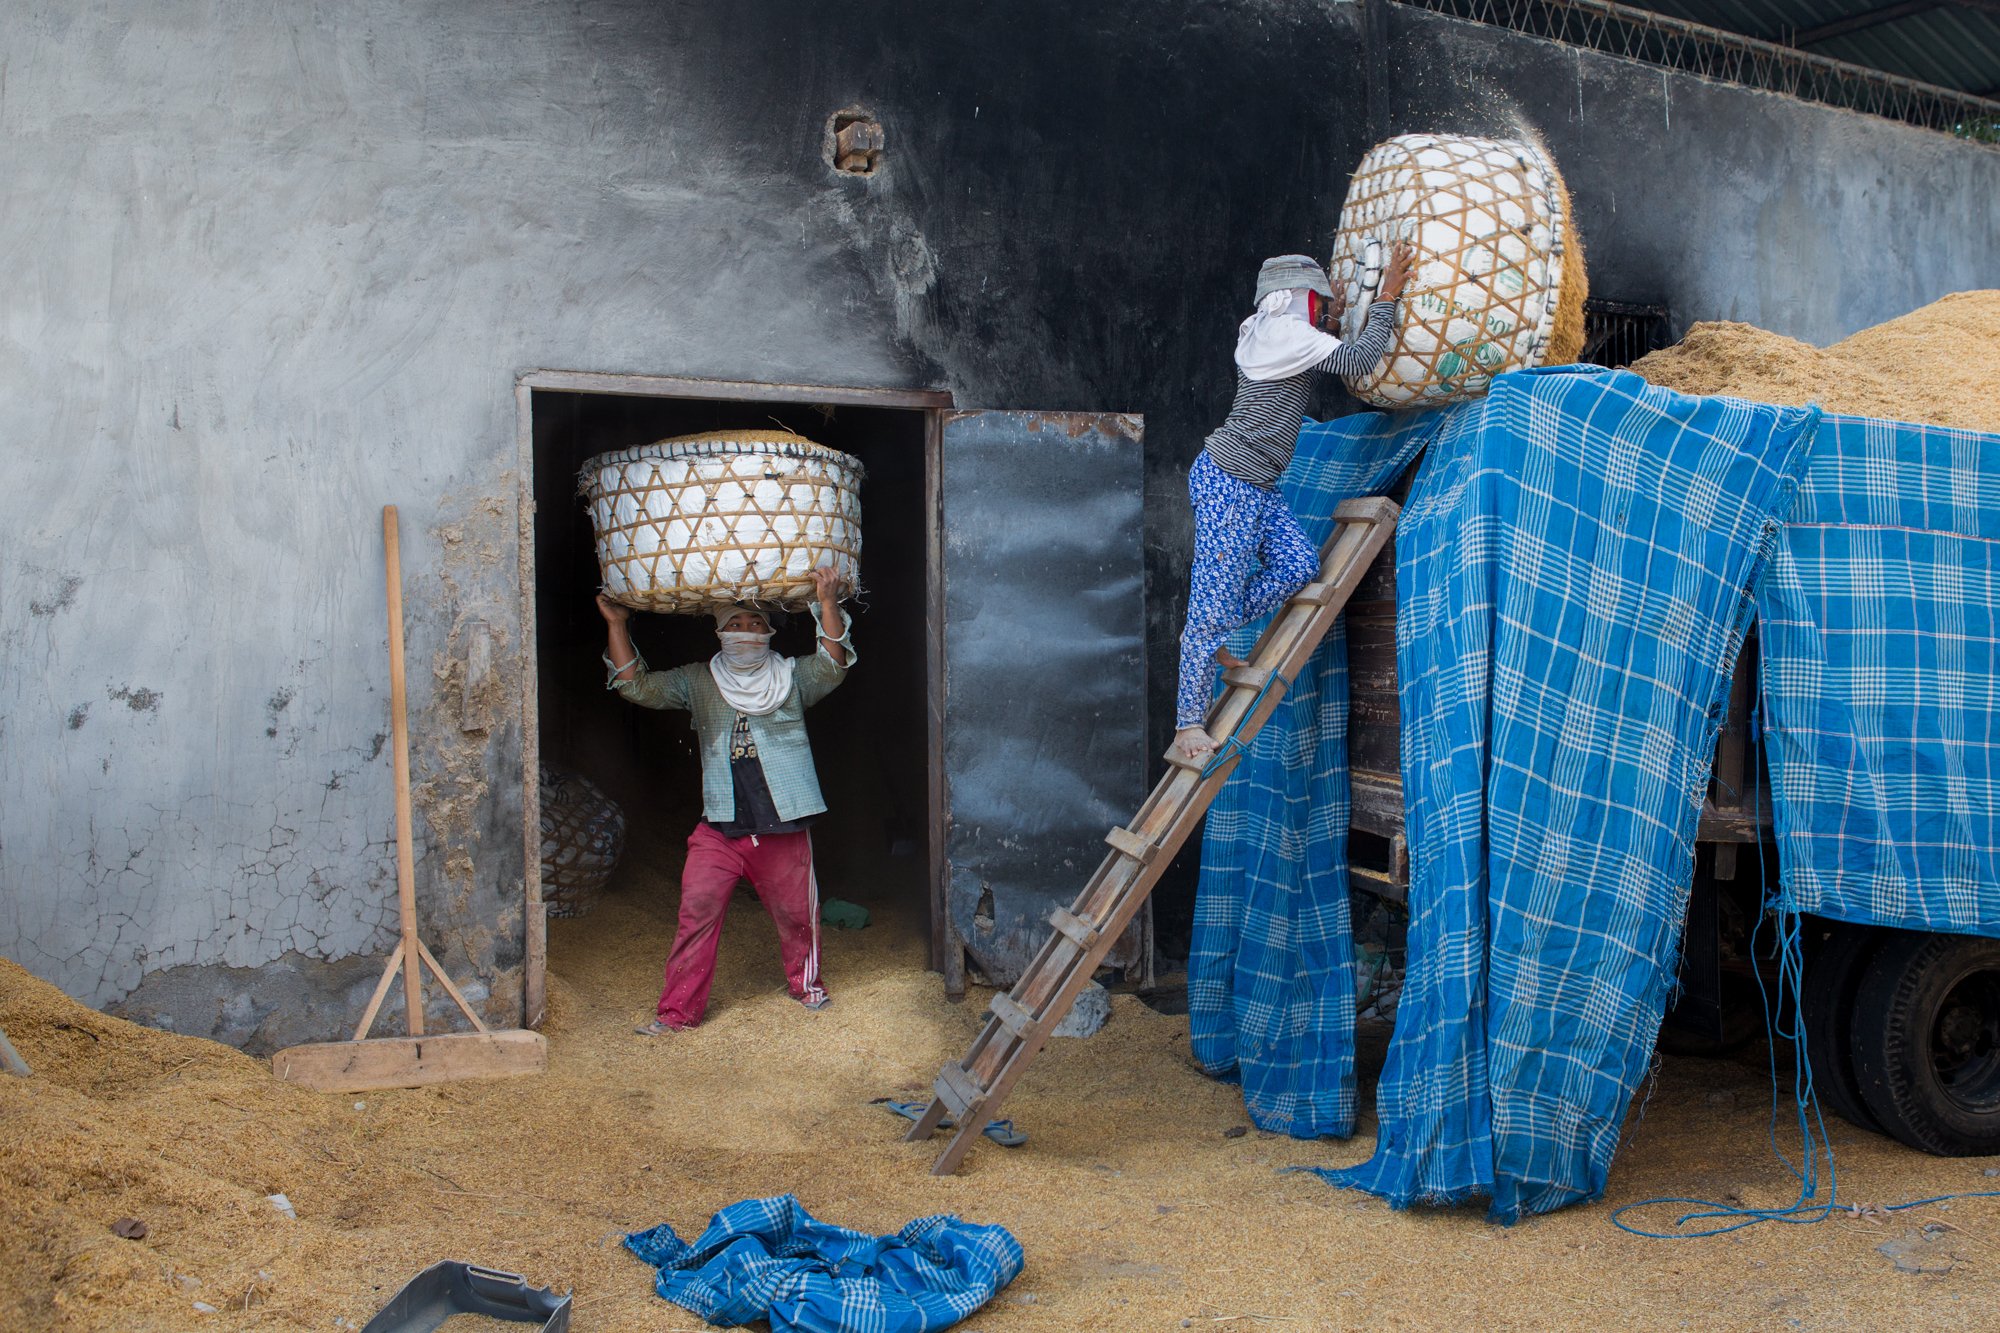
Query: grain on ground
[1134, 1208]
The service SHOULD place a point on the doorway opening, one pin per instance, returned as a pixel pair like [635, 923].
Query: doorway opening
[875, 740]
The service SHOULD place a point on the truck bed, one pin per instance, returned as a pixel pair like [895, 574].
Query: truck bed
[1731, 816]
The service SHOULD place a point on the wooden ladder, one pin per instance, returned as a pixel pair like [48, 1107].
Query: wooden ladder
[1020, 1020]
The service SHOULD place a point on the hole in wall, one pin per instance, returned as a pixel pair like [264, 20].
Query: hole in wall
[854, 141]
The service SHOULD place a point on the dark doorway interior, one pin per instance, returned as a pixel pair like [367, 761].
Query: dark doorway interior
[870, 738]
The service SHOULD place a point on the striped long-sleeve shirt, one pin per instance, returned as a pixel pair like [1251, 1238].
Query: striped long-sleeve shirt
[1254, 442]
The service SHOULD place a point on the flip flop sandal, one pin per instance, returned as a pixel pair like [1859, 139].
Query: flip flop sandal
[1001, 1132]
[657, 1029]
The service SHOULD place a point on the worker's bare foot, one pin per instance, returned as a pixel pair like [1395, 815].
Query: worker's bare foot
[1194, 743]
[1226, 659]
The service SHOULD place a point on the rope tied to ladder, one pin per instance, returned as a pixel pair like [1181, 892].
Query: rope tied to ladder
[1235, 745]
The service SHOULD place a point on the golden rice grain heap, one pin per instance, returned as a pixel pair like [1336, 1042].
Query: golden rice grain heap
[1938, 366]
[1143, 1198]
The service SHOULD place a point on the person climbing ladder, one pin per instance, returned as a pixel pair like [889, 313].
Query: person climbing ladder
[1249, 554]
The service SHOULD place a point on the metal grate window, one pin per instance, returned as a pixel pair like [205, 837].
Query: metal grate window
[1617, 333]
[1695, 48]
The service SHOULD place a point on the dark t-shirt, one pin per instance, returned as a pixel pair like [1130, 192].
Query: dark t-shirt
[756, 813]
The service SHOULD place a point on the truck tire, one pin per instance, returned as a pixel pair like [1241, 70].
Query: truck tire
[1742, 1023]
[1832, 976]
[1927, 1041]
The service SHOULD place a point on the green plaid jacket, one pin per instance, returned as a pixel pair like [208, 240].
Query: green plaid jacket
[781, 736]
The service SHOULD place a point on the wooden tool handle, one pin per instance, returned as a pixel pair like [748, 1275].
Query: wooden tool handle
[399, 725]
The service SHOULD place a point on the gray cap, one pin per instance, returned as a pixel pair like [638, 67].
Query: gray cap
[724, 614]
[1289, 271]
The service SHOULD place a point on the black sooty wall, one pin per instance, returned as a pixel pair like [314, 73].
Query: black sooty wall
[279, 264]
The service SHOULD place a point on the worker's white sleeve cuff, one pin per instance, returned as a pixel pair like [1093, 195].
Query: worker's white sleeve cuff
[846, 639]
[611, 669]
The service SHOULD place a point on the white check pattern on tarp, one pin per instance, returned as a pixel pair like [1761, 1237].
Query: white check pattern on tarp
[1573, 567]
[1879, 638]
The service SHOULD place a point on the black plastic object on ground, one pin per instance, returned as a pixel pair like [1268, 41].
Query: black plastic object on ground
[453, 1287]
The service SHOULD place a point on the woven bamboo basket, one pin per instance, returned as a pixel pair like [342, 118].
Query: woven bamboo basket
[701, 521]
[583, 835]
[1498, 282]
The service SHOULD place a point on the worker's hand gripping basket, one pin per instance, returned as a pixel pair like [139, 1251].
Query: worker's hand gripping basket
[1497, 283]
[702, 521]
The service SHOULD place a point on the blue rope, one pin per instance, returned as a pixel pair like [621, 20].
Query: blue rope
[1808, 1207]
[1232, 747]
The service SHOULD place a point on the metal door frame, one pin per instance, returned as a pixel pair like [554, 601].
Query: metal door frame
[945, 955]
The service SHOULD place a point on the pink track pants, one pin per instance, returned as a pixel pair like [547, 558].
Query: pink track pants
[780, 868]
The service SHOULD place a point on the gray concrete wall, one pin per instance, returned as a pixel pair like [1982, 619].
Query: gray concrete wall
[274, 266]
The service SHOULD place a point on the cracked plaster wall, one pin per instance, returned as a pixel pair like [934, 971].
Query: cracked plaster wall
[279, 265]
[275, 265]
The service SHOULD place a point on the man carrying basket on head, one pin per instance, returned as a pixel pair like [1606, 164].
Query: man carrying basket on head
[759, 790]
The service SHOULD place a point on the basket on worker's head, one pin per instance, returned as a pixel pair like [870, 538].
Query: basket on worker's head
[702, 521]
[583, 835]
[1497, 283]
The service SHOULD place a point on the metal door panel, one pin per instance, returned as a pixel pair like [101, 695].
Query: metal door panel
[1044, 728]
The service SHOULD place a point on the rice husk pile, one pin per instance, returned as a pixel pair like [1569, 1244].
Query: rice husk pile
[1142, 1198]
[1939, 365]
[1567, 333]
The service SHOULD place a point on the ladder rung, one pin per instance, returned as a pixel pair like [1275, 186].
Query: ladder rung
[1170, 815]
[1367, 509]
[1010, 1014]
[1080, 932]
[955, 1088]
[1132, 845]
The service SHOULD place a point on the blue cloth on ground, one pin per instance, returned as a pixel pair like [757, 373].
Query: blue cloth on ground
[1271, 983]
[1573, 567]
[1879, 635]
[770, 1259]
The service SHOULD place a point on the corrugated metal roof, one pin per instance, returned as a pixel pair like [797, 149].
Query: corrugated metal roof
[1954, 44]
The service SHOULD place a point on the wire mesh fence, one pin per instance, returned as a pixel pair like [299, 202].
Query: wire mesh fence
[1694, 48]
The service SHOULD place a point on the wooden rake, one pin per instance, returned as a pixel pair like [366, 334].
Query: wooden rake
[417, 1059]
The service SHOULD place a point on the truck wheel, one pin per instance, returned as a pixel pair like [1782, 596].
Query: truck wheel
[1927, 1041]
[1742, 1023]
[1832, 976]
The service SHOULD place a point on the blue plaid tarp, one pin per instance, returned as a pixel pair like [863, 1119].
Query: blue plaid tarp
[1573, 570]
[1271, 983]
[770, 1259]
[1879, 633]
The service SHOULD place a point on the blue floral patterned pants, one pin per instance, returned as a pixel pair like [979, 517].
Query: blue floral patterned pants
[1249, 556]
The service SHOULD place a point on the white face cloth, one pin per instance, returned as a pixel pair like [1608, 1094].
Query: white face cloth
[752, 678]
[1279, 341]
